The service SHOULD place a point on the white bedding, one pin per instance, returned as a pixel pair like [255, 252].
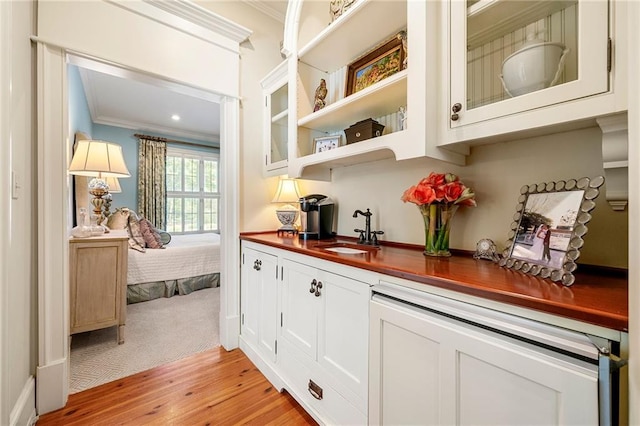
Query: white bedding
[185, 256]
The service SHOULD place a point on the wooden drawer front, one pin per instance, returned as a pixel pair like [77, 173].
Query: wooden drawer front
[333, 408]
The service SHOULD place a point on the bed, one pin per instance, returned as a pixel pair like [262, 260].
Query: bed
[188, 263]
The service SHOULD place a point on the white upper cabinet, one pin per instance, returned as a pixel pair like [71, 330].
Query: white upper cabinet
[530, 64]
[324, 50]
[275, 90]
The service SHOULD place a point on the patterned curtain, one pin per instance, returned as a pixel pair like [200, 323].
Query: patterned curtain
[152, 189]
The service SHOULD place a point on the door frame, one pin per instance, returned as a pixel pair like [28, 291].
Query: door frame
[55, 138]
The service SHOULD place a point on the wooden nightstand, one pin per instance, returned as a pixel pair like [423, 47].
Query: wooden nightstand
[98, 283]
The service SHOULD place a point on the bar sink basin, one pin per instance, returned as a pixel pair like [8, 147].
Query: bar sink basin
[345, 250]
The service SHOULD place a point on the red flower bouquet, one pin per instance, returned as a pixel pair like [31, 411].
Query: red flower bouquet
[438, 197]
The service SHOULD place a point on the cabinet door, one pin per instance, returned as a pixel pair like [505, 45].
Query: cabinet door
[276, 120]
[343, 328]
[268, 305]
[433, 370]
[483, 35]
[259, 301]
[249, 296]
[299, 307]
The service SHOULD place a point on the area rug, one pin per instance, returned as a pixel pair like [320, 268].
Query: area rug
[157, 332]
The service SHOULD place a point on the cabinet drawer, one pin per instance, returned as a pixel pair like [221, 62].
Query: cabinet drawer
[333, 408]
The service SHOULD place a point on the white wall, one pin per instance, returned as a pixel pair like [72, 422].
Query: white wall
[257, 59]
[18, 341]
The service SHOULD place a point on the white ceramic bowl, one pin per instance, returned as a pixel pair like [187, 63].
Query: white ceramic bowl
[534, 67]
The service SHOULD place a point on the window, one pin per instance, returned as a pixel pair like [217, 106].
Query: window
[193, 196]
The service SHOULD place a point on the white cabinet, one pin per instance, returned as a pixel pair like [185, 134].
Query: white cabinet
[482, 34]
[324, 341]
[327, 56]
[427, 368]
[275, 90]
[259, 302]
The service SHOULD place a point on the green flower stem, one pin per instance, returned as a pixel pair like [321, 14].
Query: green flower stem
[437, 224]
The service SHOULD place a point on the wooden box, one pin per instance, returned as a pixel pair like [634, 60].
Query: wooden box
[365, 129]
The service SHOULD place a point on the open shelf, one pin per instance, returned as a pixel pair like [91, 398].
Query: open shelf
[360, 152]
[379, 99]
[348, 37]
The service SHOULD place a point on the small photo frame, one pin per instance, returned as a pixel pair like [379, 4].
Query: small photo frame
[549, 226]
[376, 65]
[326, 143]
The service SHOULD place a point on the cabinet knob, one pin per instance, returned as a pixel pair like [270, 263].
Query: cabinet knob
[313, 286]
[318, 287]
[257, 265]
[456, 109]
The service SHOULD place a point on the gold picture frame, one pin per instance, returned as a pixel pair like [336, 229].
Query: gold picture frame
[376, 65]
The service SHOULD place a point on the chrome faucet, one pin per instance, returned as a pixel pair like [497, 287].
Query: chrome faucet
[367, 236]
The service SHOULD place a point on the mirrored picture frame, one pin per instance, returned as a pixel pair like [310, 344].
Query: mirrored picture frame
[549, 226]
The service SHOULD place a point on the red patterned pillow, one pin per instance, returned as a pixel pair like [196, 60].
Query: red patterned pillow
[149, 234]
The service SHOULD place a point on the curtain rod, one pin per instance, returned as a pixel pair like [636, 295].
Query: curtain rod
[159, 139]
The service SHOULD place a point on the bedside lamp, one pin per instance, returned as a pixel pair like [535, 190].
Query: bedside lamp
[288, 194]
[100, 160]
[114, 188]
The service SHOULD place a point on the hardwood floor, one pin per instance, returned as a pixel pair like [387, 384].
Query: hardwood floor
[215, 387]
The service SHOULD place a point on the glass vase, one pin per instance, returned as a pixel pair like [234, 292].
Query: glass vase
[437, 219]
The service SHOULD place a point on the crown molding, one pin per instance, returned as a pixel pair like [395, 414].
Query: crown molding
[266, 8]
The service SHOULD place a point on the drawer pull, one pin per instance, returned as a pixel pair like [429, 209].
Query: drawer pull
[315, 390]
[318, 287]
[313, 286]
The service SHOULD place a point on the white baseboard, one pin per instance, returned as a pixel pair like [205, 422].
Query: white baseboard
[24, 410]
[230, 332]
[52, 386]
[265, 368]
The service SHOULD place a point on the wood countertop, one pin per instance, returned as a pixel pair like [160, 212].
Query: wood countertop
[598, 297]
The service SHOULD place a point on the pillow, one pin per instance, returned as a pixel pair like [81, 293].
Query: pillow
[118, 219]
[149, 234]
[136, 241]
[165, 237]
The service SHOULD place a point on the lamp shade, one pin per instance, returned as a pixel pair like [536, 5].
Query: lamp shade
[287, 191]
[98, 158]
[114, 185]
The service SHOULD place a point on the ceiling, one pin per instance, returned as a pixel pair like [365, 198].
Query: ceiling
[117, 98]
[141, 106]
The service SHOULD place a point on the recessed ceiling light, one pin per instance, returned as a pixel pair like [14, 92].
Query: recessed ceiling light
[175, 117]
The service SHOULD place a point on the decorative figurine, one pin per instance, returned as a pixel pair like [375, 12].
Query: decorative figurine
[402, 118]
[338, 7]
[486, 249]
[335, 9]
[321, 93]
[402, 36]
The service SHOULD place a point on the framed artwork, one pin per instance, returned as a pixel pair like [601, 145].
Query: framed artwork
[549, 226]
[376, 65]
[326, 143]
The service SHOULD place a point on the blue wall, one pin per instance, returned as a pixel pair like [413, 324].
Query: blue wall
[79, 115]
[80, 120]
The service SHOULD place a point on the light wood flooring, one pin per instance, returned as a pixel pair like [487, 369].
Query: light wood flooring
[215, 387]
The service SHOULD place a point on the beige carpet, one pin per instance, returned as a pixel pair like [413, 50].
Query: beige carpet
[157, 332]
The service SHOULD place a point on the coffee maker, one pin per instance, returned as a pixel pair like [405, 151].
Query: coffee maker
[316, 217]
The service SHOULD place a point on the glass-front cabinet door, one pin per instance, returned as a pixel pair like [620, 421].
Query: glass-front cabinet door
[511, 56]
[276, 120]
